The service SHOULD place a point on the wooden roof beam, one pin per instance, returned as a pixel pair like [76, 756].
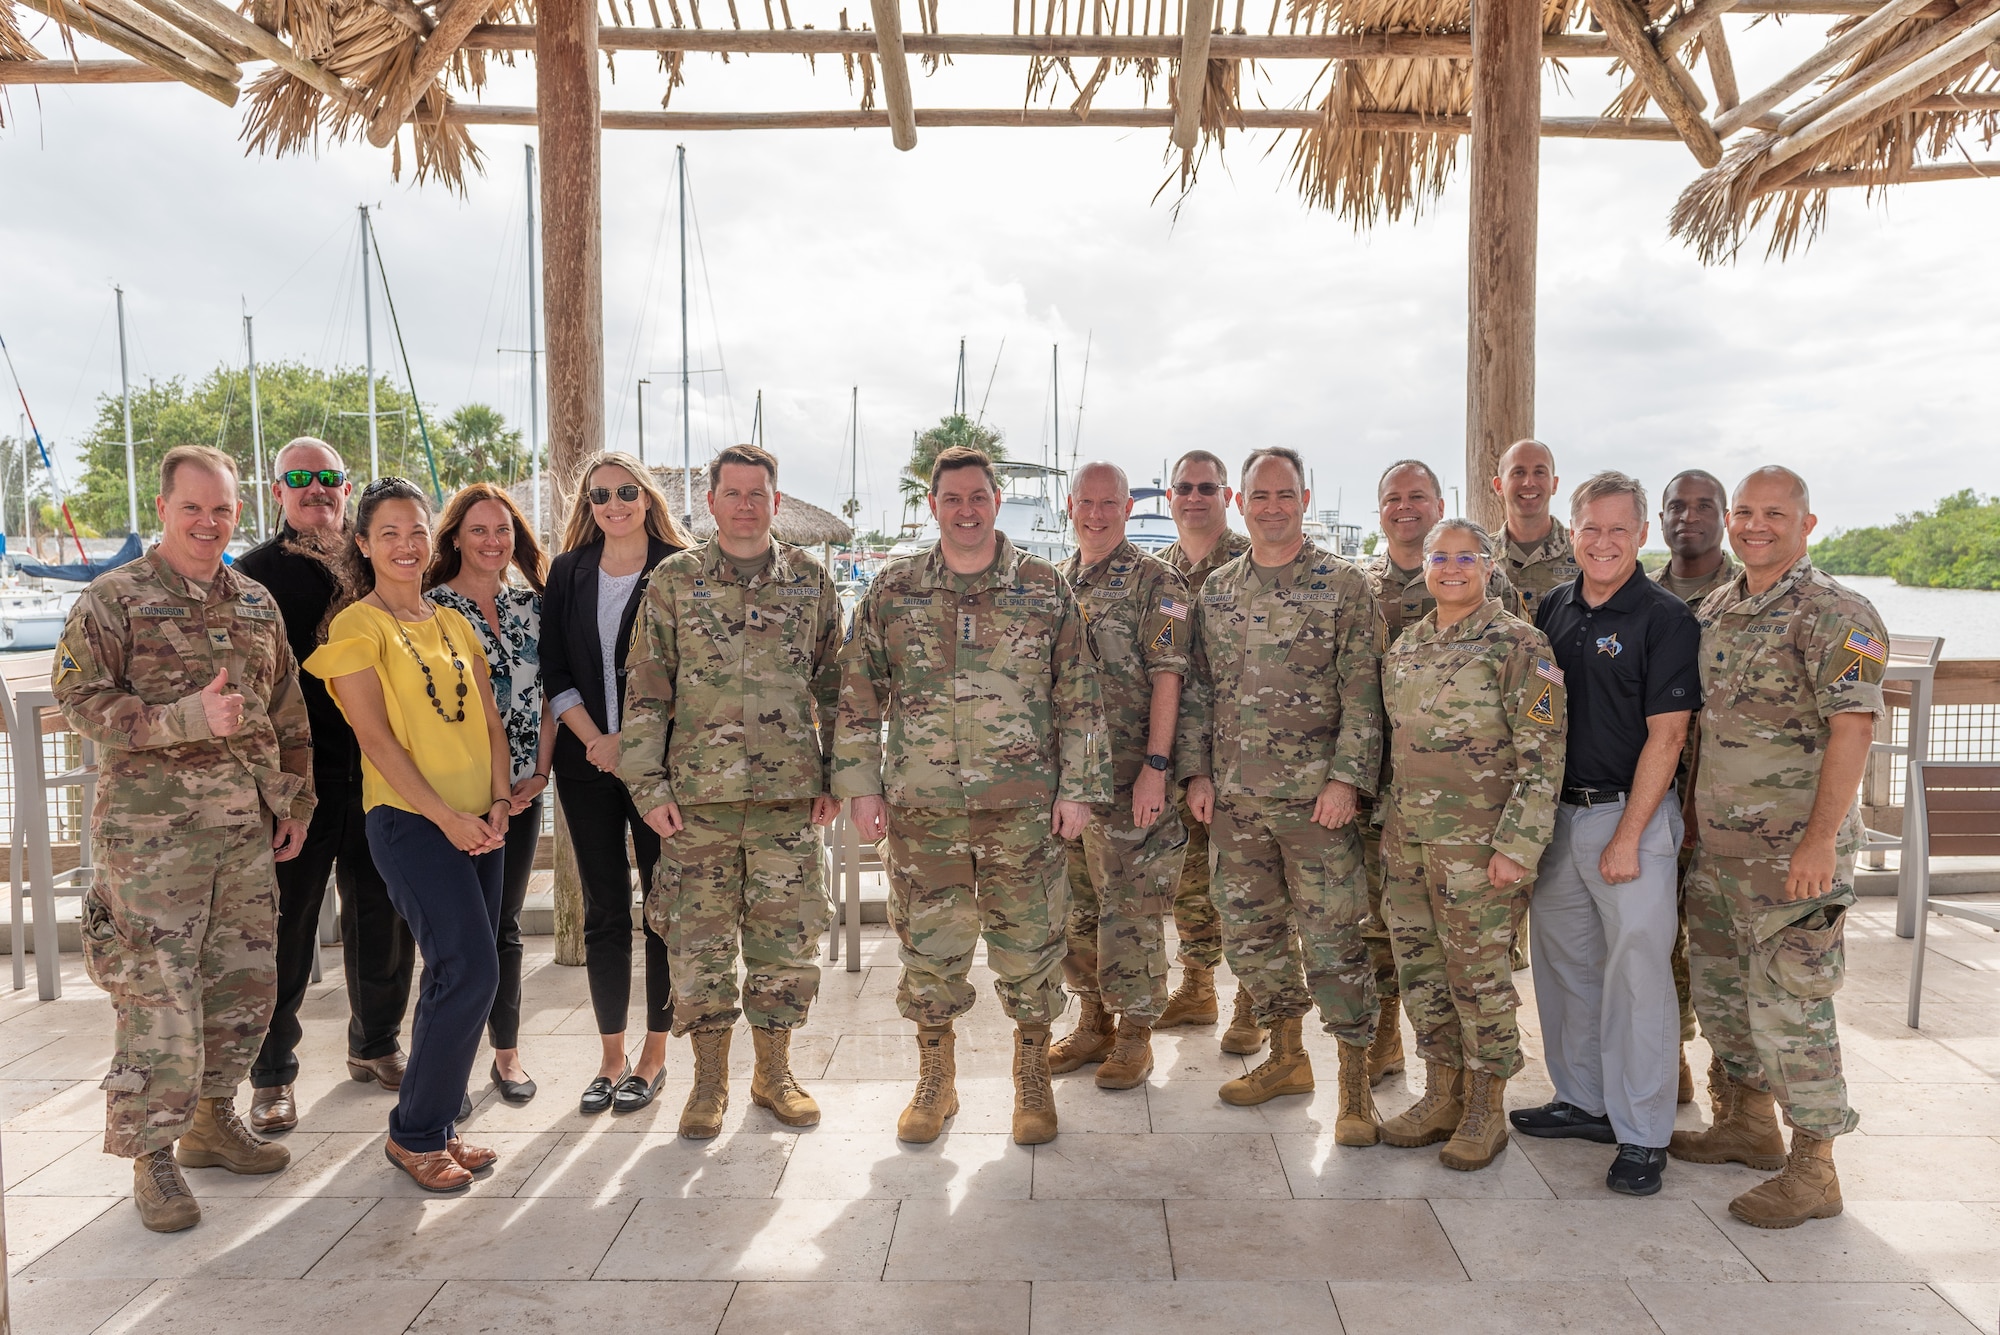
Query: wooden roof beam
[407, 14]
[1191, 81]
[120, 38]
[164, 33]
[895, 66]
[1625, 24]
[456, 18]
[269, 46]
[1818, 63]
[1897, 57]
[82, 71]
[1948, 171]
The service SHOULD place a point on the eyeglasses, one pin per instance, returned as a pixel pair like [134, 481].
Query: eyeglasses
[1189, 488]
[1463, 560]
[602, 495]
[298, 479]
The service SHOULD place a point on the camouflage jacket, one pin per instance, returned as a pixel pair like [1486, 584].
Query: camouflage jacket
[1404, 598]
[1137, 607]
[1227, 548]
[138, 648]
[988, 684]
[1774, 667]
[1721, 575]
[731, 688]
[1476, 731]
[1287, 690]
[1535, 570]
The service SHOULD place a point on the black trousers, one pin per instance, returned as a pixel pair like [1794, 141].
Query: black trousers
[524, 832]
[375, 944]
[599, 811]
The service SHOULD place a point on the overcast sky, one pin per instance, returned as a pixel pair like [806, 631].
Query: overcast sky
[834, 261]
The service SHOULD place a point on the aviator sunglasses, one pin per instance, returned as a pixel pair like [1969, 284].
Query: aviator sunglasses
[298, 479]
[602, 495]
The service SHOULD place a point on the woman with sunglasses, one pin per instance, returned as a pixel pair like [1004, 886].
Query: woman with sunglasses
[409, 678]
[619, 529]
[1476, 718]
[480, 537]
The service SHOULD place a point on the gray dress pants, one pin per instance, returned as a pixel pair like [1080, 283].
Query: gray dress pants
[1604, 982]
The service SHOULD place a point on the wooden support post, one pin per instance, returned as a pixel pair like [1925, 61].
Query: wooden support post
[1500, 274]
[895, 72]
[1192, 86]
[1625, 24]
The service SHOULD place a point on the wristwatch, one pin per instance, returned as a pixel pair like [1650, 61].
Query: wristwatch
[1159, 762]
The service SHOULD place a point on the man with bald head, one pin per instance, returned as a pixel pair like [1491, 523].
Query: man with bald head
[296, 564]
[1791, 666]
[1126, 868]
[1538, 556]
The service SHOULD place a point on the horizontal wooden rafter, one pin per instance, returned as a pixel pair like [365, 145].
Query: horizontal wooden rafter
[1948, 171]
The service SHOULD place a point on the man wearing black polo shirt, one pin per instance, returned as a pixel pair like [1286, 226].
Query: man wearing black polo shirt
[1604, 911]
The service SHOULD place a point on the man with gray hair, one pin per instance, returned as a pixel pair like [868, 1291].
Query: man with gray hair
[1604, 902]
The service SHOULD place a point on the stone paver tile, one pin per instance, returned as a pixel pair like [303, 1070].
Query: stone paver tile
[1799, 1309]
[1211, 1166]
[1568, 1240]
[1319, 1169]
[894, 1056]
[995, 1240]
[36, 1224]
[17, 1041]
[985, 1107]
[1322, 1240]
[477, 1239]
[602, 1165]
[85, 1056]
[957, 1166]
[88, 1171]
[213, 1306]
[1574, 1169]
[1978, 1303]
[1919, 1168]
[351, 1163]
[1927, 1110]
[561, 1307]
[1493, 1308]
[999, 1308]
[236, 1239]
[1212, 1307]
[557, 1111]
[1917, 1059]
[52, 1105]
[738, 1239]
[1888, 1241]
[25, 1153]
[66, 1306]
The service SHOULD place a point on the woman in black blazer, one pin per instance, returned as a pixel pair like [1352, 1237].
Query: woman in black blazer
[619, 529]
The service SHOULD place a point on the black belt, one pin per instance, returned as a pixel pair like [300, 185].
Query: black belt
[1592, 797]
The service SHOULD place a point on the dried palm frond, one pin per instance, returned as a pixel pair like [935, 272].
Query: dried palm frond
[13, 45]
[1219, 111]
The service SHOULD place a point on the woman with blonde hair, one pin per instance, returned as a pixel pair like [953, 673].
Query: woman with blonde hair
[619, 529]
[481, 536]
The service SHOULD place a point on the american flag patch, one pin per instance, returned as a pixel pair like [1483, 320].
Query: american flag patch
[1548, 671]
[1177, 610]
[1861, 642]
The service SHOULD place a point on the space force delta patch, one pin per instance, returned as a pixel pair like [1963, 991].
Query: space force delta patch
[1165, 639]
[1544, 708]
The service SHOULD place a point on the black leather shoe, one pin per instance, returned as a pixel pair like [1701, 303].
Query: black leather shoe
[597, 1094]
[514, 1091]
[1559, 1120]
[634, 1093]
[1636, 1171]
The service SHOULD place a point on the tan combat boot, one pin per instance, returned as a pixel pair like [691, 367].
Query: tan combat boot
[1806, 1188]
[161, 1193]
[1131, 1059]
[1034, 1093]
[1286, 1071]
[218, 1139]
[1242, 1037]
[1482, 1131]
[1434, 1116]
[1193, 1002]
[1357, 1122]
[701, 1115]
[1090, 1041]
[937, 1086]
[1684, 1093]
[1385, 1054]
[773, 1085]
[1745, 1130]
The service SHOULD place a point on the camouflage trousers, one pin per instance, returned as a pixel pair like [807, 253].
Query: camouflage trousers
[1294, 899]
[181, 929]
[1196, 919]
[749, 873]
[955, 876]
[1375, 930]
[1121, 882]
[1452, 931]
[1763, 981]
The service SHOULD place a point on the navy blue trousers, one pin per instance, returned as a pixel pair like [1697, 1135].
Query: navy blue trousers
[452, 904]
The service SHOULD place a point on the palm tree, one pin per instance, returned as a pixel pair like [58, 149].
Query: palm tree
[956, 429]
[480, 448]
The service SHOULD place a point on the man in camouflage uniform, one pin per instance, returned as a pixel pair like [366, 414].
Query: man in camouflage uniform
[1792, 666]
[177, 667]
[726, 743]
[1200, 507]
[1692, 512]
[1124, 870]
[976, 658]
[1409, 503]
[1476, 728]
[1285, 729]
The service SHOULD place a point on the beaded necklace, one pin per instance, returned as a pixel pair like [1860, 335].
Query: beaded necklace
[430, 684]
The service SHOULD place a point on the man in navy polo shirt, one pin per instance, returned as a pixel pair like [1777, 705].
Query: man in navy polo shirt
[1604, 910]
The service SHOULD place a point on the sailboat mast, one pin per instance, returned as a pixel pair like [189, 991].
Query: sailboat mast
[256, 422]
[368, 351]
[534, 351]
[687, 427]
[125, 389]
[643, 382]
[854, 460]
[1055, 398]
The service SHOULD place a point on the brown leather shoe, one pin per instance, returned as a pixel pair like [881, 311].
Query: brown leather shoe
[472, 1158]
[435, 1170]
[388, 1070]
[273, 1109]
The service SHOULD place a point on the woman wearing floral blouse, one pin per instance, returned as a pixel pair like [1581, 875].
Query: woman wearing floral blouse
[481, 534]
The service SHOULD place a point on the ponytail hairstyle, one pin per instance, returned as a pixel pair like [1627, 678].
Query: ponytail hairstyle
[356, 571]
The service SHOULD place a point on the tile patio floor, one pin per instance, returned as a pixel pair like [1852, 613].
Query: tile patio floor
[1158, 1210]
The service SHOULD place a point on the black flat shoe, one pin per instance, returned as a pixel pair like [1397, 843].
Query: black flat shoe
[634, 1093]
[1559, 1120]
[597, 1094]
[1636, 1171]
[514, 1091]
